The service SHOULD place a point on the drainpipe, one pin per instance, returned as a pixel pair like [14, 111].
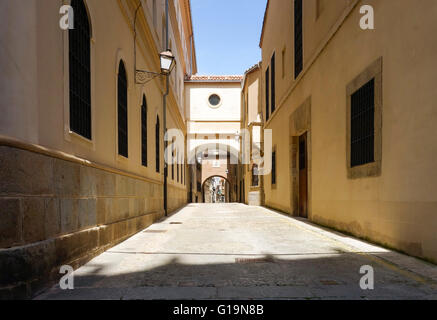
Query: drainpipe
[165, 112]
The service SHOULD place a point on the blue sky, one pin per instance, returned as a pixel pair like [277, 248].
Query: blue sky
[226, 34]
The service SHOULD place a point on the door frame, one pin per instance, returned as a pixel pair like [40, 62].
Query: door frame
[300, 123]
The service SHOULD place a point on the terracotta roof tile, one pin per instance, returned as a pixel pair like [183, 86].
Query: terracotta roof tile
[231, 78]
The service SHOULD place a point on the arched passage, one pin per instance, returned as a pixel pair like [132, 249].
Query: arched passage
[216, 189]
[213, 160]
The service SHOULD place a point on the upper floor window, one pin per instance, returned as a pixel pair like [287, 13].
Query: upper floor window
[122, 111]
[273, 81]
[273, 167]
[80, 71]
[267, 85]
[144, 132]
[363, 125]
[298, 38]
[214, 100]
[178, 165]
[157, 146]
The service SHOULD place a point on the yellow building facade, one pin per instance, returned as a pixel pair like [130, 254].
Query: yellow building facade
[372, 172]
[82, 133]
[251, 126]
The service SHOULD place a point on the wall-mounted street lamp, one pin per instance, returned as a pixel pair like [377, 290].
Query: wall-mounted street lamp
[168, 62]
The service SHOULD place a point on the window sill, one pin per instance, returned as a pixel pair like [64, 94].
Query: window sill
[78, 139]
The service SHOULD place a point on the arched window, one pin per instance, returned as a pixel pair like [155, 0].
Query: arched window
[122, 111]
[158, 159]
[80, 71]
[144, 132]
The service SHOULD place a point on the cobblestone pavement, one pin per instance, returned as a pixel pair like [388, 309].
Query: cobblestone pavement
[233, 251]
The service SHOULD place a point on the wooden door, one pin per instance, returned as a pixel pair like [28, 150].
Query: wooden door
[303, 176]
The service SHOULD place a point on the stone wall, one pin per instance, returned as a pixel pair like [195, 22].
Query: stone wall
[177, 197]
[56, 211]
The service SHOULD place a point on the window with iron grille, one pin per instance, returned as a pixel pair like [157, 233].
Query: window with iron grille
[122, 111]
[144, 132]
[274, 167]
[363, 125]
[177, 169]
[298, 38]
[172, 157]
[157, 155]
[80, 71]
[267, 94]
[273, 80]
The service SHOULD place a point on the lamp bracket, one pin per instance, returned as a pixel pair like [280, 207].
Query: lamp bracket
[143, 76]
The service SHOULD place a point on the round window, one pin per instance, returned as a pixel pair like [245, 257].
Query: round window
[214, 100]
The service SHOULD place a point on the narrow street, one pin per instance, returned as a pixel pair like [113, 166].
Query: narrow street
[230, 251]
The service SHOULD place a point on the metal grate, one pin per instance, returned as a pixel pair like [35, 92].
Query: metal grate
[122, 111]
[363, 125]
[267, 94]
[157, 156]
[273, 81]
[80, 71]
[298, 38]
[144, 132]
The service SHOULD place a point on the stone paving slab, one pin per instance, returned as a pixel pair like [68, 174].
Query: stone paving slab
[233, 251]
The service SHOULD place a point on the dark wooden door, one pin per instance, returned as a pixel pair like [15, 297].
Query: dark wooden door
[303, 176]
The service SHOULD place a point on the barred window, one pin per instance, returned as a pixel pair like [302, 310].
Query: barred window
[267, 94]
[157, 155]
[298, 38]
[273, 167]
[363, 125]
[177, 167]
[144, 132]
[80, 71]
[173, 140]
[122, 111]
[273, 80]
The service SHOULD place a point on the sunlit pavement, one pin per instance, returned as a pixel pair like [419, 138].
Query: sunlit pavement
[232, 251]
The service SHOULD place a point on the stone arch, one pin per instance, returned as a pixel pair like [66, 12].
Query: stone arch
[228, 183]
